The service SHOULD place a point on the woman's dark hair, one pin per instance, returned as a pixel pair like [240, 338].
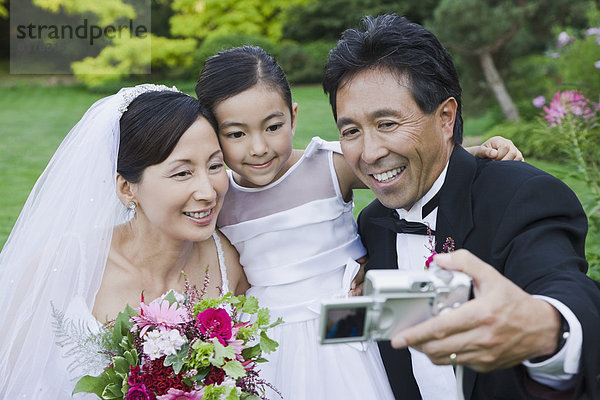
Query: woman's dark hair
[404, 48]
[150, 129]
[233, 71]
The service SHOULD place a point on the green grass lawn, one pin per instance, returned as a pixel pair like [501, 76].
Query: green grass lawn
[36, 119]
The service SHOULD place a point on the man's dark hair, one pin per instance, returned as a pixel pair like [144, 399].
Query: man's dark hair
[405, 49]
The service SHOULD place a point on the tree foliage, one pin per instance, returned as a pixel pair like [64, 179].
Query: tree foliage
[131, 55]
[3, 10]
[327, 19]
[505, 30]
[204, 18]
[107, 11]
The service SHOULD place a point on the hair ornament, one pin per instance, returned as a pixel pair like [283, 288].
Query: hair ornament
[129, 94]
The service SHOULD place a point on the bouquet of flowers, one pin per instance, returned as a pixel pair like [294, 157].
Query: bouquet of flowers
[181, 346]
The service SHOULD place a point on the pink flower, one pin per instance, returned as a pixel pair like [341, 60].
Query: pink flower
[215, 324]
[539, 101]
[593, 31]
[597, 64]
[137, 392]
[563, 39]
[569, 101]
[159, 313]
[176, 394]
[429, 260]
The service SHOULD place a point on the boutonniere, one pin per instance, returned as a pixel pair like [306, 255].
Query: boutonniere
[446, 248]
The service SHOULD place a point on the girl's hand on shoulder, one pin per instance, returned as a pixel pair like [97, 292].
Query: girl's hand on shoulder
[497, 148]
[356, 287]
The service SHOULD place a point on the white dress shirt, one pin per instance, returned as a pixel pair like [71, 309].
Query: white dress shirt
[435, 381]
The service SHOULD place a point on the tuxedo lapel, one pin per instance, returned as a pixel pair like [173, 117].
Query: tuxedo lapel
[455, 217]
[455, 213]
[382, 241]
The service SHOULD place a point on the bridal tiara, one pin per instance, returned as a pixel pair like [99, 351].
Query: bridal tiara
[129, 94]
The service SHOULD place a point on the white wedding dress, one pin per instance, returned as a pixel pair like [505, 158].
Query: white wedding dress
[297, 242]
[56, 253]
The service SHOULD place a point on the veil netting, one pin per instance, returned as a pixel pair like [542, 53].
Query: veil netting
[58, 249]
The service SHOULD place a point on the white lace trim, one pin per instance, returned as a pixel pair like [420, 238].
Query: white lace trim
[130, 94]
[222, 266]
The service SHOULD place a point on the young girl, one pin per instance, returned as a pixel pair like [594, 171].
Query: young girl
[289, 214]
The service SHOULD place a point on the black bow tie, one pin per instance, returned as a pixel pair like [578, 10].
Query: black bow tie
[395, 224]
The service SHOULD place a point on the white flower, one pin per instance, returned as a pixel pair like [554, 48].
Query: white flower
[162, 342]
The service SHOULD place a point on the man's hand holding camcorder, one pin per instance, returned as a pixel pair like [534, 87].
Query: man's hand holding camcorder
[501, 327]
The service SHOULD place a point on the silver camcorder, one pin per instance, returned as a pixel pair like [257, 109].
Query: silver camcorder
[393, 300]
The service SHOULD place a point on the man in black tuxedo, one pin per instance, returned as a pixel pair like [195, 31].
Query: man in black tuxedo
[533, 327]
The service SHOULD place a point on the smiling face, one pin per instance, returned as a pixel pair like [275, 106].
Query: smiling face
[182, 196]
[255, 132]
[392, 146]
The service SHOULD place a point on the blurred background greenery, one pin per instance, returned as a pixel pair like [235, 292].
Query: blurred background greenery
[507, 52]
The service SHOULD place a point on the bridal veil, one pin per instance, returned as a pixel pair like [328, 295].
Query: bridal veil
[58, 248]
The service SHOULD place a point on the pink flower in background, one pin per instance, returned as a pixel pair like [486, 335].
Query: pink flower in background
[563, 39]
[539, 101]
[569, 101]
[556, 111]
[159, 313]
[592, 31]
[597, 64]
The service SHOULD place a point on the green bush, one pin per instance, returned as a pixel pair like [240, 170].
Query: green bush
[531, 140]
[531, 77]
[304, 63]
[576, 65]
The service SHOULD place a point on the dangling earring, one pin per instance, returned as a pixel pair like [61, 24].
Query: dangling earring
[131, 206]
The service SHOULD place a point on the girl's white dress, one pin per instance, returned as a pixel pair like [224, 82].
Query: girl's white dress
[297, 240]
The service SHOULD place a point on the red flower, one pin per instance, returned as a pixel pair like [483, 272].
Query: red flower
[216, 376]
[134, 375]
[137, 392]
[158, 379]
[215, 324]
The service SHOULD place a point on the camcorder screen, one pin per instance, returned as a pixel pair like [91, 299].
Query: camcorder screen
[346, 322]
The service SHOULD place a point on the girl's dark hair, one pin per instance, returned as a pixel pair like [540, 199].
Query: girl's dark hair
[404, 48]
[233, 71]
[150, 129]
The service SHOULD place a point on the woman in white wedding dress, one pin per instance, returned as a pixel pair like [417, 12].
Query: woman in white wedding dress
[129, 201]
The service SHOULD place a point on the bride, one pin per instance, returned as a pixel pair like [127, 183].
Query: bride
[129, 201]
